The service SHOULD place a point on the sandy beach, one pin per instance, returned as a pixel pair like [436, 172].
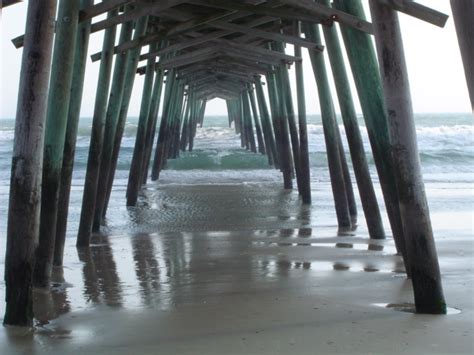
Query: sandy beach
[244, 269]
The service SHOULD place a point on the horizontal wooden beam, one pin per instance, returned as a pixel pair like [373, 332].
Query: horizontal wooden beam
[145, 9]
[418, 11]
[101, 8]
[203, 39]
[268, 35]
[275, 11]
[331, 14]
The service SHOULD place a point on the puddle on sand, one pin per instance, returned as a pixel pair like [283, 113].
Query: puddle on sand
[410, 308]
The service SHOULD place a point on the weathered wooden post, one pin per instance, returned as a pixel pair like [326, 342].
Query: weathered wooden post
[258, 127]
[266, 121]
[97, 135]
[184, 131]
[111, 120]
[354, 137]
[420, 245]
[25, 184]
[247, 116]
[330, 131]
[77, 86]
[463, 15]
[136, 167]
[347, 179]
[133, 59]
[171, 84]
[278, 109]
[305, 178]
[366, 75]
[152, 121]
[55, 133]
[284, 88]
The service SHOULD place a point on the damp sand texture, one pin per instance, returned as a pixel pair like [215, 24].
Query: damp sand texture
[223, 286]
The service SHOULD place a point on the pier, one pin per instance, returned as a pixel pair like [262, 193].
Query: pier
[189, 53]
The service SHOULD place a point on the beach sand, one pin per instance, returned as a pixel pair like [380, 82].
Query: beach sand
[244, 269]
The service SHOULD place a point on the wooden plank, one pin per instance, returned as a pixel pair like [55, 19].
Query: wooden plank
[254, 50]
[102, 8]
[286, 13]
[203, 39]
[180, 29]
[418, 11]
[267, 35]
[331, 14]
[143, 10]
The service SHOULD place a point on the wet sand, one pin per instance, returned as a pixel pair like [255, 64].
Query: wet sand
[243, 269]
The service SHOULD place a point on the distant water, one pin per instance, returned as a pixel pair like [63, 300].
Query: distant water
[446, 143]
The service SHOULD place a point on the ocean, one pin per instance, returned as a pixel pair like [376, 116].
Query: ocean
[221, 188]
[446, 144]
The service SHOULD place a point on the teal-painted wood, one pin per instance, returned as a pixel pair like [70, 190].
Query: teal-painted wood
[77, 86]
[97, 135]
[133, 59]
[364, 65]
[55, 136]
[305, 178]
[330, 131]
[354, 137]
[136, 166]
[111, 120]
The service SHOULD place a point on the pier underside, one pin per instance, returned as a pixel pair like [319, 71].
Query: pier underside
[235, 239]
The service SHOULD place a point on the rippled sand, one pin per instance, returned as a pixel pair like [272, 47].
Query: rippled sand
[241, 269]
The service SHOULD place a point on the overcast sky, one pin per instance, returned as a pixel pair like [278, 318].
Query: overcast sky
[435, 68]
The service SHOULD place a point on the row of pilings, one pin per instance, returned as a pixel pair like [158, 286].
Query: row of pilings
[50, 96]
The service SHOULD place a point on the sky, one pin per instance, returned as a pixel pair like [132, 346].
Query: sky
[434, 64]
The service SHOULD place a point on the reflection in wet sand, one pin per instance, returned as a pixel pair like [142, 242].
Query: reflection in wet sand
[147, 267]
[101, 281]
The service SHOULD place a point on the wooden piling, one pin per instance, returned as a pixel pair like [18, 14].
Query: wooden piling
[152, 121]
[277, 105]
[247, 116]
[133, 59]
[77, 86]
[111, 120]
[330, 132]
[366, 75]
[55, 133]
[305, 178]
[95, 149]
[136, 166]
[27, 160]
[354, 137]
[420, 245]
[258, 127]
[351, 202]
[158, 157]
[283, 139]
[266, 123]
[463, 15]
[284, 89]
[184, 131]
